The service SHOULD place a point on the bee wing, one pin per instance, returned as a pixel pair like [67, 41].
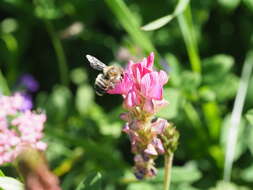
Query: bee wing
[95, 63]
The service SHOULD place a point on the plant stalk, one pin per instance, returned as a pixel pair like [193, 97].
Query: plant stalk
[61, 58]
[168, 159]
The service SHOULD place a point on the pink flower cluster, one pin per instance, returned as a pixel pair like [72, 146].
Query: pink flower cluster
[142, 86]
[142, 90]
[19, 128]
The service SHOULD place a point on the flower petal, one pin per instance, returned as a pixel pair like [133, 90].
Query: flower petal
[150, 60]
[163, 78]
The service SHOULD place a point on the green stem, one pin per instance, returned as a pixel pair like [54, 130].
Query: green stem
[167, 171]
[187, 29]
[62, 63]
[3, 85]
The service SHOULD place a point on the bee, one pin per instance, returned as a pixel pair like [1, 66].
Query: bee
[109, 77]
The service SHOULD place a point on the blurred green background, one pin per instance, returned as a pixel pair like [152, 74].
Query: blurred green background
[203, 48]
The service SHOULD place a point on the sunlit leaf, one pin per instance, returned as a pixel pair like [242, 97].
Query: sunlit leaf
[172, 96]
[166, 19]
[158, 23]
[91, 182]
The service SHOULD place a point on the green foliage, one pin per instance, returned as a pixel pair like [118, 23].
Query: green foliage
[1, 173]
[228, 186]
[202, 52]
[182, 4]
[91, 182]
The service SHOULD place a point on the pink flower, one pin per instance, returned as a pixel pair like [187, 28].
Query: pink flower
[141, 85]
[142, 90]
[22, 129]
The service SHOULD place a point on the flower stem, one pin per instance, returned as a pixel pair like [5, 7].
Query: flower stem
[167, 171]
[63, 67]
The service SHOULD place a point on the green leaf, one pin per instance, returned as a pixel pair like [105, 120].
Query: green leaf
[189, 173]
[182, 4]
[206, 94]
[1, 173]
[91, 182]
[221, 89]
[222, 185]
[84, 99]
[249, 116]
[175, 70]
[216, 67]
[190, 84]
[8, 183]
[172, 95]
[141, 185]
[154, 25]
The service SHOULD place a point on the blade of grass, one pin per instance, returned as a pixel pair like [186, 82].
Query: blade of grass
[129, 23]
[236, 116]
[62, 63]
[187, 29]
[156, 24]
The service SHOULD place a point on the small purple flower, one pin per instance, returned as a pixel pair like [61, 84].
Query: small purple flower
[27, 102]
[29, 82]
